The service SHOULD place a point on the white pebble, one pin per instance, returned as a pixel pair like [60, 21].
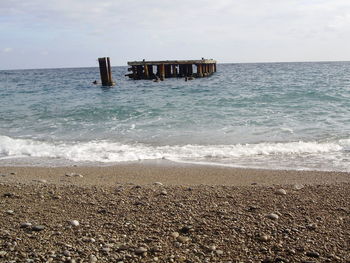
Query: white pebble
[281, 192]
[272, 216]
[298, 187]
[74, 222]
[93, 259]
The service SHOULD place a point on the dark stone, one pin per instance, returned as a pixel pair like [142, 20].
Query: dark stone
[38, 228]
[313, 254]
[185, 229]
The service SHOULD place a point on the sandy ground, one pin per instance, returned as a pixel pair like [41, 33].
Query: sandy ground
[172, 213]
[169, 174]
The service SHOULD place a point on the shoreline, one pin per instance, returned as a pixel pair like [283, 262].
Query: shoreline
[169, 173]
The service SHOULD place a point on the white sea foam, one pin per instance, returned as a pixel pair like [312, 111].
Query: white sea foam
[106, 151]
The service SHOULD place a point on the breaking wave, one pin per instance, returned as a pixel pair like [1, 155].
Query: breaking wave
[113, 152]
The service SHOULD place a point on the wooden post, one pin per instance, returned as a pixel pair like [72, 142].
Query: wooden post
[199, 70]
[103, 71]
[162, 71]
[145, 68]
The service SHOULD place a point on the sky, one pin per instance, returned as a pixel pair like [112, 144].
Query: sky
[74, 33]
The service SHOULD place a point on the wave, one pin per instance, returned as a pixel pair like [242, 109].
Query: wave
[107, 151]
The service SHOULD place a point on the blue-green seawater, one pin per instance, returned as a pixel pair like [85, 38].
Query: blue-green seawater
[264, 115]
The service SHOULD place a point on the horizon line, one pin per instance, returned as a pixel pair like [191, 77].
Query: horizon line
[259, 62]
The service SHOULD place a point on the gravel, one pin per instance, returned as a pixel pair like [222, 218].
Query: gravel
[206, 224]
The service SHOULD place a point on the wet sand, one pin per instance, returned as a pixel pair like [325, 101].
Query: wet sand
[168, 173]
[172, 213]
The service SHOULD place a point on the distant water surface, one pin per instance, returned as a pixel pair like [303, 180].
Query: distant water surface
[273, 115]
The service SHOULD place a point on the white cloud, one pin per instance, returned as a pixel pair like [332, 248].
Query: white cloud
[7, 50]
[232, 30]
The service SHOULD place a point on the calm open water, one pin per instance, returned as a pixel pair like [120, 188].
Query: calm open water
[273, 115]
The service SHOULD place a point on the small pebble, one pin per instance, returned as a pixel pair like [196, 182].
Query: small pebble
[298, 187]
[313, 254]
[25, 225]
[74, 175]
[43, 181]
[264, 238]
[272, 216]
[74, 222]
[2, 253]
[38, 228]
[281, 192]
[92, 259]
[175, 234]
[9, 212]
[164, 192]
[212, 248]
[219, 252]
[182, 239]
[311, 226]
[185, 229]
[140, 250]
[158, 183]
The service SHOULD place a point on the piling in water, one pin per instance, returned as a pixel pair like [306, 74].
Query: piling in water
[105, 71]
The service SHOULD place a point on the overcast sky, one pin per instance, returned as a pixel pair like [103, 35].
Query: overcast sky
[74, 33]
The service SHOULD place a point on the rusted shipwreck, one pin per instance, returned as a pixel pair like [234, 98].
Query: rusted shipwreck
[171, 69]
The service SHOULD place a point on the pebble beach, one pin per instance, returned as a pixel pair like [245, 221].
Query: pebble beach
[173, 213]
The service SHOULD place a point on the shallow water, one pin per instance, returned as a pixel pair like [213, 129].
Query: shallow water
[273, 115]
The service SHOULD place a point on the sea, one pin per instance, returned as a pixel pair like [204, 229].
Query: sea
[293, 116]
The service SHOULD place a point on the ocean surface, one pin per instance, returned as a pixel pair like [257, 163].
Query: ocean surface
[292, 116]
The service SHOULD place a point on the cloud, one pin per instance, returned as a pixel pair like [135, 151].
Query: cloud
[231, 30]
[7, 50]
